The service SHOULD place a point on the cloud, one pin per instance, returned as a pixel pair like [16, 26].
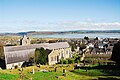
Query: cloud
[17, 26]
[91, 26]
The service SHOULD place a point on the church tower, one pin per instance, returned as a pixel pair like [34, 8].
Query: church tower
[25, 40]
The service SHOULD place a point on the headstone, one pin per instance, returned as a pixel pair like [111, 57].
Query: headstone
[33, 71]
[64, 71]
[73, 68]
[55, 69]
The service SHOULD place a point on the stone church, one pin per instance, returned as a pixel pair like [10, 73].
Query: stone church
[25, 40]
[17, 55]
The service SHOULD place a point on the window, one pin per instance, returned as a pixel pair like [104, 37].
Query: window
[12, 65]
[62, 55]
[19, 64]
[66, 52]
[55, 58]
[51, 58]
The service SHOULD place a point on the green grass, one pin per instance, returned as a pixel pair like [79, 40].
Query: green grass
[8, 76]
[77, 74]
[81, 75]
[44, 76]
[92, 72]
[54, 75]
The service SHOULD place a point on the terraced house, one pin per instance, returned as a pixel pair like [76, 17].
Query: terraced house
[17, 55]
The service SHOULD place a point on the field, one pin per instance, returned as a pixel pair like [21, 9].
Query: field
[70, 74]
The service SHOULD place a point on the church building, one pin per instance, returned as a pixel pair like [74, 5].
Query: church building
[17, 55]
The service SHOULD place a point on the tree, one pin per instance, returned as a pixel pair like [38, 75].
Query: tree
[40, 56]
[116, 53]
[71, 61]
[31, 58]
[82, 47]
[96, 38]
[86, 38]
[72, 48]
[62, 61]
[2, 57]
[1, 52]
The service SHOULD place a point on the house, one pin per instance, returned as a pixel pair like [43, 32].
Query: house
[17, 55]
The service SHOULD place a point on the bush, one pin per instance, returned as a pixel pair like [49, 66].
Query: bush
[78, 61]
[61, 61]
[89, 60]
[65, 61]
[71, 61]
[16, 66]
[75, 55]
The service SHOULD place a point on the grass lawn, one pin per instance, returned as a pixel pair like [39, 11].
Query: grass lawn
[96, 74]
[89, 72]
[46, 76]
[8, 76]
[77, 74]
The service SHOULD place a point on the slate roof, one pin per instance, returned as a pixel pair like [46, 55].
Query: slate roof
[34, 46]
[18, 56]
[57, 45]
[23, 47]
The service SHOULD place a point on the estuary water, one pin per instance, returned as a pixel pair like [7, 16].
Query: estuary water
[70, 35]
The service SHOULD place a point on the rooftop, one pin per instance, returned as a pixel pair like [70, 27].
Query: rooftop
[34, 46]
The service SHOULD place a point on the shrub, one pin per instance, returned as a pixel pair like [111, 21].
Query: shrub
[65, 61]
[61, 61]
[71, 61]
[89, 60]
[78, 61]
[40, 56]
[16, 66]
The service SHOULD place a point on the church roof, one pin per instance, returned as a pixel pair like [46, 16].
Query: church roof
[57, 45]
[34, 46]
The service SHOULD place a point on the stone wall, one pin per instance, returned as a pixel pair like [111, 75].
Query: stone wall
[12, 65]
[57, 54]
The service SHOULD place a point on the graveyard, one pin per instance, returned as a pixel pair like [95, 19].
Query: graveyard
[59, 72]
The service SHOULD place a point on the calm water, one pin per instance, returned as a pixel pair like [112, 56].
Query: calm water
[91, 35]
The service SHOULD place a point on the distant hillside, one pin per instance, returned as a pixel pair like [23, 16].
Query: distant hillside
[97, 31]
[76, 31]
[60, 32]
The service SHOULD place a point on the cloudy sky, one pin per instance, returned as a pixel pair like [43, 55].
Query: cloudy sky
[59, 15]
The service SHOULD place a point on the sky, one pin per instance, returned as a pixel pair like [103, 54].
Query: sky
[59, 15]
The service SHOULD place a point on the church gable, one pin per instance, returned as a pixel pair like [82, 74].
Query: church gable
[25, 40]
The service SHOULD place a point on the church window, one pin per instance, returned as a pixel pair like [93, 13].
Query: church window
[51, 58]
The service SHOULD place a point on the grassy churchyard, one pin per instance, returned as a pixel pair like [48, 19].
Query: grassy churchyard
[56, 73]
